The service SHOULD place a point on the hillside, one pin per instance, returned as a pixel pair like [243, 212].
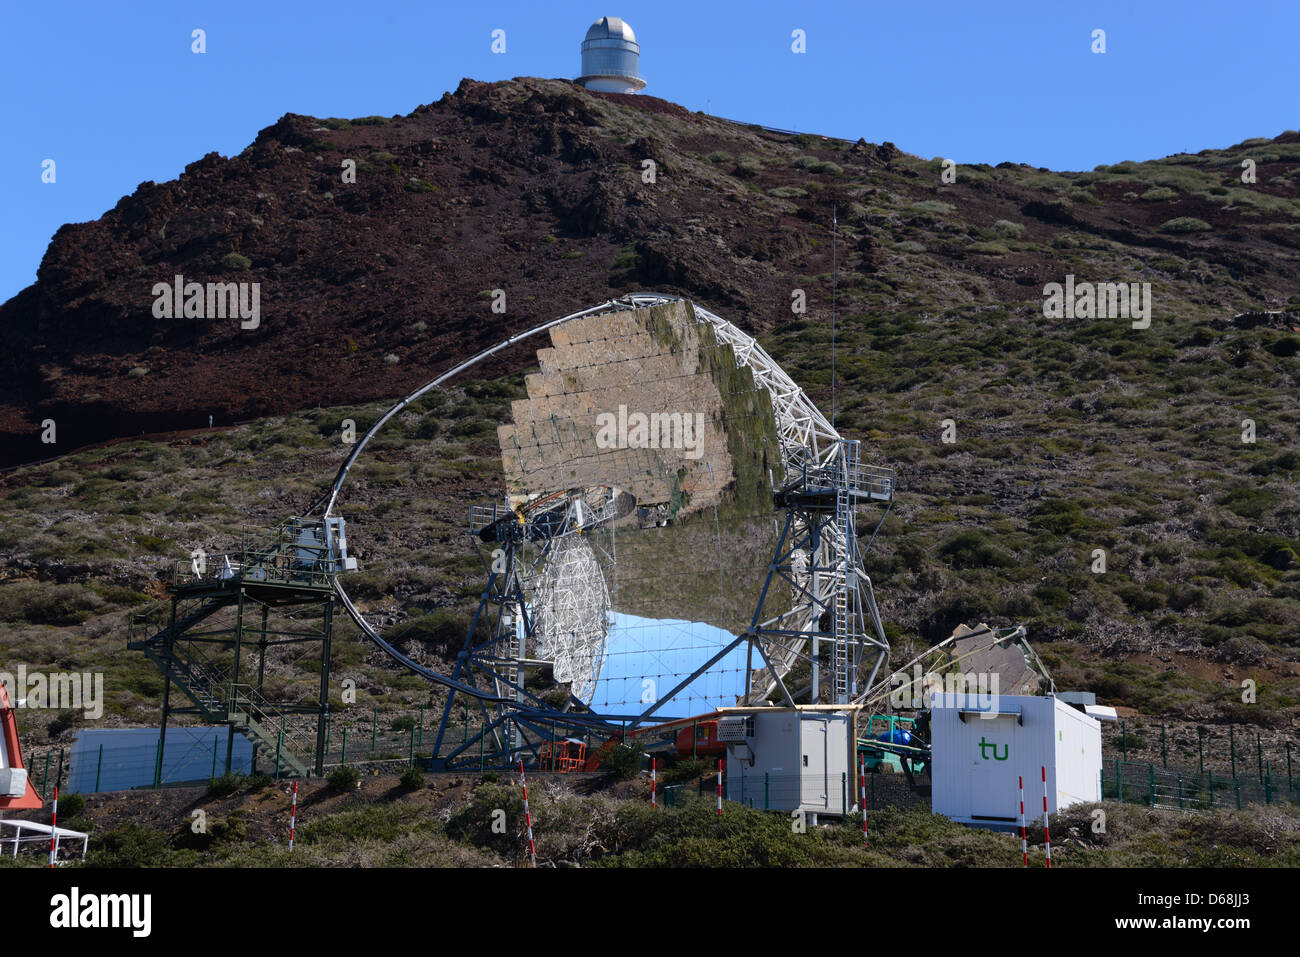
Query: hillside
[535, 187]
[1071, 434]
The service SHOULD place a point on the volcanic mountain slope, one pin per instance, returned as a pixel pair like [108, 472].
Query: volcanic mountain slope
[539, 188]
[1131, 494]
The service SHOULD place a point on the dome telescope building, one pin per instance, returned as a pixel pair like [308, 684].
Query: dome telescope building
[610, 56]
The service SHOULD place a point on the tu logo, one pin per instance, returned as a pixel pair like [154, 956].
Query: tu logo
[984, 745]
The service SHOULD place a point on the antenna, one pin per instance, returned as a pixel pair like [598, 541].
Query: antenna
[835, 266]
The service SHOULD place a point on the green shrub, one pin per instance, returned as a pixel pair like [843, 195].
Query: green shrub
[227, 783]
[412, 779]
[693, 836]
[935, 206]
[129, 845]
[403, 723]
[1185, 224]
[427, 428]
[441, 627]
[120, 595]
[343, 778]
[1141, 598]
[988, 249]
[236, 261]
[1053, 596]
[70, 805]
[65, 721]
[232, 830]
[1285, 347]
[1249, 501]
[624, 761]
[1060, 516]
[153, 543]
[1008, 229]
[687, 769]
[44, 603]
[1182, 597]
[815, 165]
[1158, 193]
[476, 428]
[370, 822]
[474, 822]
[972, 549]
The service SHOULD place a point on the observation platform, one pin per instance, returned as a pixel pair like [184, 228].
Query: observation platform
[819, 488]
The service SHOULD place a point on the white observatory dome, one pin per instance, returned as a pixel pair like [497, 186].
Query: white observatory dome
[610, 56]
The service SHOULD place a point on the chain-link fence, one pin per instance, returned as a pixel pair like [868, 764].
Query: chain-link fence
[133, 758]
[1135, 783]
[1198, 766]
[1233, 751]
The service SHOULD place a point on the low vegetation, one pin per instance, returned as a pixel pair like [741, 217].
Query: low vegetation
[483, 824]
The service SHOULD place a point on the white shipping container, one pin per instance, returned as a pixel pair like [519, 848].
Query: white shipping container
[792, 760]
[982, 745]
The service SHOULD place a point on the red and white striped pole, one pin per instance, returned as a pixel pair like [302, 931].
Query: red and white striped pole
[1024, 844]
[862, 796]
[652, 783]
[719, 787]
[54, 824]
[293, 814]
[1047, 834]
[528, 818]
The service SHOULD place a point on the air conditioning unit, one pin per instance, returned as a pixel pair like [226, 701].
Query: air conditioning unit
[735, 729]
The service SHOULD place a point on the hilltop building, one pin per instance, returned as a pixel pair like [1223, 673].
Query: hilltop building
[610, 58]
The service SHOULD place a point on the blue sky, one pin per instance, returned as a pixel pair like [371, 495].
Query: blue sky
[113, 93]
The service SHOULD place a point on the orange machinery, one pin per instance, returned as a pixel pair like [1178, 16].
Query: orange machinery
[568, 756]
[16, 791]
[696, 736]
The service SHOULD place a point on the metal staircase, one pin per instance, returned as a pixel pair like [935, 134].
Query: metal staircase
[846, 630]
[208, 685]
[288, 568]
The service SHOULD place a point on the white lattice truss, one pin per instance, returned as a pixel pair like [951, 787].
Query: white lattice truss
[570, 604]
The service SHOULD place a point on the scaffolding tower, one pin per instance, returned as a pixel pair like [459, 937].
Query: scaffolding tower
[830, 595]
[211, 637]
